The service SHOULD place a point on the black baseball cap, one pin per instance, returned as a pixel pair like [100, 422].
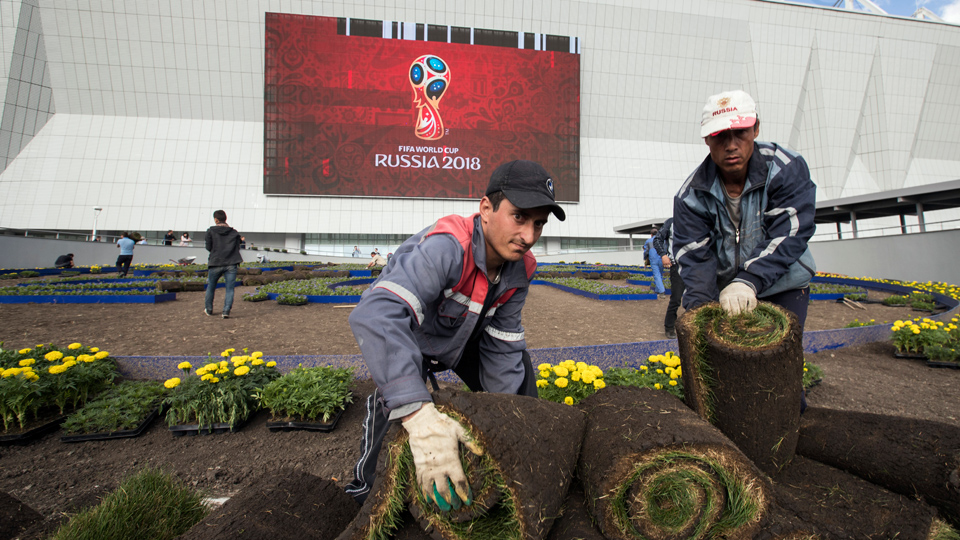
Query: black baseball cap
[526, 184]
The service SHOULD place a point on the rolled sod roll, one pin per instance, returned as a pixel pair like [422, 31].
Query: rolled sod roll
[519, 484]
[651, 468]
[840, 505]
[912, 457]
[744, 375]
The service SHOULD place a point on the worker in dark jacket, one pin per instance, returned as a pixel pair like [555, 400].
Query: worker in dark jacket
[451, 298]
[223, 243]
[663, 243]
[742, 220]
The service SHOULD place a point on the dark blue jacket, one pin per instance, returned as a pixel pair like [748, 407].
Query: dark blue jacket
[769, 249]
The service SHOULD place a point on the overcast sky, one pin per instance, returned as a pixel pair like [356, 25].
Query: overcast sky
[948, 10]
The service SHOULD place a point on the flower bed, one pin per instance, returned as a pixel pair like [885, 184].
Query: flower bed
[596, 290]
[218, 396]
[85, 292]
[45, 381]
[308, 398]
[926, 339]
[319, 290]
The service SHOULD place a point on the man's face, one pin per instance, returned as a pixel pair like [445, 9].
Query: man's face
[731, 151]
[509, 231]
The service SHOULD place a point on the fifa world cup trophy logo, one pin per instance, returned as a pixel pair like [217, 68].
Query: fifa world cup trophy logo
[429, 77]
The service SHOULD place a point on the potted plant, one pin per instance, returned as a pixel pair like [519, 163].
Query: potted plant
[39, 385]
[219, 396]
[308, 398]
[125, 410]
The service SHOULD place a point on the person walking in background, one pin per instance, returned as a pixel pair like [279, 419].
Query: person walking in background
[169, 238]
[223, 243]
[650, 253]
[126, 245]
[185, 239]
[663, 243]
[742, 219]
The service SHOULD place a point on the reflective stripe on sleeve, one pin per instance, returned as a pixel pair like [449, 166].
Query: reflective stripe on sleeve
[503, 336]
[405, 295]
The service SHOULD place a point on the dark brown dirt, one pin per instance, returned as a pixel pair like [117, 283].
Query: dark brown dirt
[54, 477]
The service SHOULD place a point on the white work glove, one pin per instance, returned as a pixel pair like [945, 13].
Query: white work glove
[737, 297]
[434, 442]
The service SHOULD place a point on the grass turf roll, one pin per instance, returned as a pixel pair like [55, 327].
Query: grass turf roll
[744, 375]
[530, 455]
[840, 505]
[652, 469]
[912, 457]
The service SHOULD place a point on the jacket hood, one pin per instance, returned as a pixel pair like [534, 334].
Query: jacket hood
[222, 230]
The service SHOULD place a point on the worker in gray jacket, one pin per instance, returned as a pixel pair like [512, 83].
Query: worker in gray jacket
[451, 298]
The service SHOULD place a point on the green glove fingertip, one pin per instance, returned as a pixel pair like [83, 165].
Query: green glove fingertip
[454, 498]
[439, 500]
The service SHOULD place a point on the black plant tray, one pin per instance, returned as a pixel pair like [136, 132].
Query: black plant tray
[122, 434]
[910, 356]
[30, 434]
[933, 363]
[814, 383]
[325, 427]
[215, 429]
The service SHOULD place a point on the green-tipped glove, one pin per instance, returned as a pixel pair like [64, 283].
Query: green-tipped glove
[434, 442]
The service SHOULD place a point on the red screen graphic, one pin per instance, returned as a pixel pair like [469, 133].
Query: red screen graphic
[368, 116]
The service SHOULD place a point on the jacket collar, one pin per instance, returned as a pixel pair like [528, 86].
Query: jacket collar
[513, 275]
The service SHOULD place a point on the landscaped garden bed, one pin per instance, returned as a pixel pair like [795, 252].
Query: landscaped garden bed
[123, 411]
[596, 290]
[311, 399]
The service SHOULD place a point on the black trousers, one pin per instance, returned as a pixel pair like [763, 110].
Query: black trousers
[123, 264]
[676, 294]
[375, 423]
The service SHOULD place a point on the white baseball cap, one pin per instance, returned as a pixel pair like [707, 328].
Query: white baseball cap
[728, 110]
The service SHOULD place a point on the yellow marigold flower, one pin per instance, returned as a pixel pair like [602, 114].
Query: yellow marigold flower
[568, 400]
[94, 349]
[27, 368]
[588, 378]
[223, 370]
[674, 375]
[561, 371]
[53, 356]
[240, 360]
[271, 363]
[561, 382]
[213, 380]
[184, 365]
[70, 363]
[205, 377]
[544, 367]
[257, 362]
[805, 370]
[242, 370]
[644, 368]
[544, 374]
[575, 376]
[582, 366]
[74, 346]
[231, 350]
[916, 330]
[657, 386]
[32, 376]
[225, 354]
[56, 370]
[10, 372]
[201, 371]
[569, 364]
[40, 346]
[27, 362]
[256, 354]
[68, 359]
[660, 371]
[673, 383]
[222, 364]
[234, 359]
[25, 351]
[894, 328]
[653, 359]
[211, 367]
[599, 384]
[172, 383]
[597, 372]
[542, 383]
[101, 355]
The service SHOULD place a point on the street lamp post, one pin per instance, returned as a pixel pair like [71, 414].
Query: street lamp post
[96, 214]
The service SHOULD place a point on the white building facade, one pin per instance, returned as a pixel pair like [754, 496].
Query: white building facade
[153, 111]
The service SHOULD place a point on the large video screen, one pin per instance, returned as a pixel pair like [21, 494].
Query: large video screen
[386, 109]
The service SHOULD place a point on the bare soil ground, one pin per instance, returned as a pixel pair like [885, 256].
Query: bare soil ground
[56, 478]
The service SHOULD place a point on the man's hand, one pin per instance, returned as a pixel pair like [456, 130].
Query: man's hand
[737, 297]
[434, 442]
[666, 261]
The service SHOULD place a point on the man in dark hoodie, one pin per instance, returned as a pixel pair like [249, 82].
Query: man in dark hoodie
[223, 243]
